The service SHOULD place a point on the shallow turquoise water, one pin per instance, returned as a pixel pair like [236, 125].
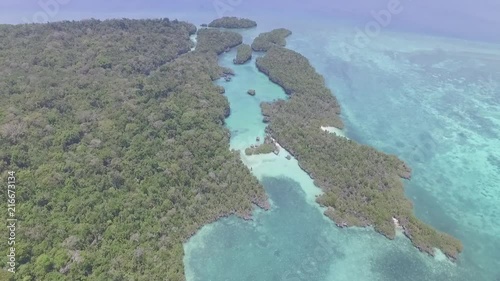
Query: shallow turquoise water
[434, 102]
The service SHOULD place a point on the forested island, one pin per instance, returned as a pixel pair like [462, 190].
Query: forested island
[232, 22]
[116, 133]
[243, 54]
[362, 186]
[267, 40]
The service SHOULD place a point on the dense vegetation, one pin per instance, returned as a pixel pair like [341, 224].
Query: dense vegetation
[115, 132]
[214, 40]
[243, 54]
[232, 22]
[267, 40]
[362, 186]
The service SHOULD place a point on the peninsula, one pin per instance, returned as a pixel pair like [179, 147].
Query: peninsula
[243, 54]
[217, 41]
[267, 40]
[362, 186]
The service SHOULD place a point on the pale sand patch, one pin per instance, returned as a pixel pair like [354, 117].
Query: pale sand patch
[335, 131]
[270, 165]
[441, 257]
[396, 223]
[398, 227]
[277, 144]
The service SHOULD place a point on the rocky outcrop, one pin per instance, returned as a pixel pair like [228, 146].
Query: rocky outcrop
[243, 54]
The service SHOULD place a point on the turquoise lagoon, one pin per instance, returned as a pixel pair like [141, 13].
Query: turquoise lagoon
[434, 102]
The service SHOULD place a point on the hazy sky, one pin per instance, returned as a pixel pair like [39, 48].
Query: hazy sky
[467, 18]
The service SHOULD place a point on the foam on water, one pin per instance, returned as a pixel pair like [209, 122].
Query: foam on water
[431, 101]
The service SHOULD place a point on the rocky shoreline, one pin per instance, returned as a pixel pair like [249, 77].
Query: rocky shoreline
[262, 203]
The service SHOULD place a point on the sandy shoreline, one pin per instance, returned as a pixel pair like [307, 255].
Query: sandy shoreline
[276, 143]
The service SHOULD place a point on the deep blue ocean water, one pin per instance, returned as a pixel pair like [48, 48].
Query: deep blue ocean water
[433, 101]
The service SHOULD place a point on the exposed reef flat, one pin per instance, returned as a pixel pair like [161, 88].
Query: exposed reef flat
[362, 186]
